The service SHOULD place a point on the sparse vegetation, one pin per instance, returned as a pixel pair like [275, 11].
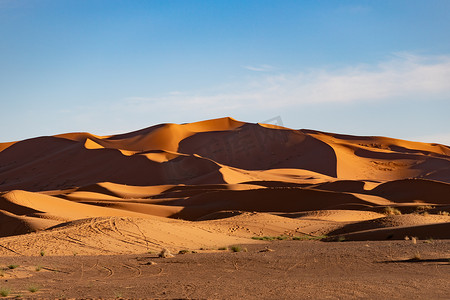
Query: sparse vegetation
[236, 248]
[416, 256]
[286, 237]
[421, 208]
[184, 251]
[341, 238]
[42, 253]
[263, 238]
[309, 237]
[4, 292]
[12, 266]
[33, 288]
[223, 248]
[38, 268]
[391, 211]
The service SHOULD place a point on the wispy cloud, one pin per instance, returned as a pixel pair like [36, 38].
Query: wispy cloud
[259, 68]
[403, 77]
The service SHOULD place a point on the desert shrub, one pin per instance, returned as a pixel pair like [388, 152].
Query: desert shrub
[4, 292]
[424, 207]
[33, 288]
[236, 248]
[416, 256]
[12, 266]
[341, 238]
[184, 251]
[391, 211]
[263, 238]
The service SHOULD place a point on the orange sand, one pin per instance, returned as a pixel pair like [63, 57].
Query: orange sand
[215, 183]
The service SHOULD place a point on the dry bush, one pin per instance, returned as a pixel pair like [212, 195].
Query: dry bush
[236, 248]
[391, 211]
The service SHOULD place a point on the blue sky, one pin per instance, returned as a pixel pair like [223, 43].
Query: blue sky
[110, 66]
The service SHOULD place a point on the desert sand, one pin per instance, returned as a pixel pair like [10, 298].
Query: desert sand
[209, 185]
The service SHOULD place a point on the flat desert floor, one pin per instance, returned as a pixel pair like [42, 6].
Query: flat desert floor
[271, 270]
[347, 216]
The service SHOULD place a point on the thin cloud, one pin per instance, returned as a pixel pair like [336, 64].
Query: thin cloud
[404, 77]
[175, 93]
[260, 68]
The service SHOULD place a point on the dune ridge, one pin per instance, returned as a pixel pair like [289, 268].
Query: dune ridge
[227, 179]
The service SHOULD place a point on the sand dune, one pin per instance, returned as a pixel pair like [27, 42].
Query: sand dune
[116, 235]
[427, 231]
[226, 180]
